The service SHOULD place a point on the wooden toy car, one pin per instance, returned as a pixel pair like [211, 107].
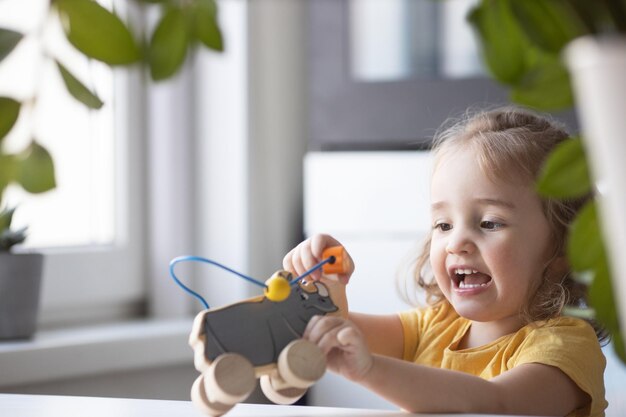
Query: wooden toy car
[258, 338]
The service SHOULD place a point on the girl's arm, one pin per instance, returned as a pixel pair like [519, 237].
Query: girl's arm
[383, 334]
[530, 389]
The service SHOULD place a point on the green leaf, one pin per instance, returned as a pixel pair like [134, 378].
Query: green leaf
[548, 24]
[8, 41]
[9, 112]
[602, 300]
[585, 249]
[168, 46]
[78, 89]
[8, 237]
[97, 32]
[7, 171]
[205, 26]
[618, 344]
[6, 217]
[503, 43]
[546, 86]
[35, 169]
[565, 174]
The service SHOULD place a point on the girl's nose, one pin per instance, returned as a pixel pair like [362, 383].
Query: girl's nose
[460, 241]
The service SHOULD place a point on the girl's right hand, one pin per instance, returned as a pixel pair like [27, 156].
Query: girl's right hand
[309, 253]
[344, 345]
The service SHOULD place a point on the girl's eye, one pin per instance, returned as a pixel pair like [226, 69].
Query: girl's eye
[489, 225]
[444, 227]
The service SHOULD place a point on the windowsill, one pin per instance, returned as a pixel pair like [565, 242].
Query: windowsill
[76, 352]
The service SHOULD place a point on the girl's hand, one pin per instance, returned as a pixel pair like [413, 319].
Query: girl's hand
[342, 342]
[309, 253]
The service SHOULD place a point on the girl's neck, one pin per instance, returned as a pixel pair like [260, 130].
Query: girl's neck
[482, 333]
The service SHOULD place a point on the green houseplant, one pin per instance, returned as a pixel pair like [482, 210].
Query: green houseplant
[100, 34]
[524, 44]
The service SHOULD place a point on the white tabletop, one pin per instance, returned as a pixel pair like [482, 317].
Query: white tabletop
[15, 405]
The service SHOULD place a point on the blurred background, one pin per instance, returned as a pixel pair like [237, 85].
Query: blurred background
[317, 117]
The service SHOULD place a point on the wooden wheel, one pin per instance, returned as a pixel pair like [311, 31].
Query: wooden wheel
[230, 379]
[284, 396]
[201, 401]
[301, 363]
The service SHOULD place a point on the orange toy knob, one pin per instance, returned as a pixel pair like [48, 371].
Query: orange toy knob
[341, 263]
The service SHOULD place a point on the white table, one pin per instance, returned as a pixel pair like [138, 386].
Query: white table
[15, 405]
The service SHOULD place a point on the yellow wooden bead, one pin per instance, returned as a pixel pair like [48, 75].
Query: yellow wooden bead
[278, 288]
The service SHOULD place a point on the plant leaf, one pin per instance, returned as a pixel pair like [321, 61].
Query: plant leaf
[8, 41]
[548, 24]
[205, 26]
[603, 302]
[35, 169]
[545, 86]
[7, 171]
[97, 32]
[585, 249]
[618, 344]
[503, 43]
[168, 46]
[78, 89]
[9, 237]
[565, 174]
[9, 112]
[6, 216]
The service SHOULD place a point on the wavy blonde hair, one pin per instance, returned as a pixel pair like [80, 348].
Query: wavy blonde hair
[511, 145]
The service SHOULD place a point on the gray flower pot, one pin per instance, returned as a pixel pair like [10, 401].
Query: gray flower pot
[20, 283]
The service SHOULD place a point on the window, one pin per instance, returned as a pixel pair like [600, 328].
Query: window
[396, 108]
[88, 227]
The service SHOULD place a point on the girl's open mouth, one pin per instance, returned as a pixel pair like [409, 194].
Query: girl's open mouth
[466, 278]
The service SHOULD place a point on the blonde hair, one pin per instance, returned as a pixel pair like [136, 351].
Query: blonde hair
[511, 144]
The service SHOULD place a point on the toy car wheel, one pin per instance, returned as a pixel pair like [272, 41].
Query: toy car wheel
[284, 396]
[230, 379]
[301, 363]
[201, 401]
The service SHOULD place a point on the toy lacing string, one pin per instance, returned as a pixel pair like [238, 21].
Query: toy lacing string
[179, 259]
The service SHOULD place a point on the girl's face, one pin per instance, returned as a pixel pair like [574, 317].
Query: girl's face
[490, 243]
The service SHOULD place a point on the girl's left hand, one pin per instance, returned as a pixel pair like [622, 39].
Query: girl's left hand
[343, 343]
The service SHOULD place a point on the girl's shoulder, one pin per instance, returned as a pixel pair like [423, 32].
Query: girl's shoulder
[562, 327]
[565, 342]
[569, 344]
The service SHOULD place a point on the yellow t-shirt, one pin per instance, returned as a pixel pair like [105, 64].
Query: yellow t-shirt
[431, 337]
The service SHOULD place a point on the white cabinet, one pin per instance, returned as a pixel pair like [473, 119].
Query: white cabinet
[377, 205]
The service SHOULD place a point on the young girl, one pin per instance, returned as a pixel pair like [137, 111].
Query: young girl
[493, 339]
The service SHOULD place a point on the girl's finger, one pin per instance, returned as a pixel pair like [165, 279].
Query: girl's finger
[309, 327]
[348, 335]
[287, 262]
[296, 261]
[316, 329]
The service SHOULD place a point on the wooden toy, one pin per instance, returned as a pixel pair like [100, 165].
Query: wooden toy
[260, 338]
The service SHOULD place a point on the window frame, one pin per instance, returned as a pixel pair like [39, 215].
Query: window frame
[104, 282]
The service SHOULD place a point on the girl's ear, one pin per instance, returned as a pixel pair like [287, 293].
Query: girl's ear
[558, 268]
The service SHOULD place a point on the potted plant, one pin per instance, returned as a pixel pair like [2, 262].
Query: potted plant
[20, 282]
[99, 34]
[540, 49]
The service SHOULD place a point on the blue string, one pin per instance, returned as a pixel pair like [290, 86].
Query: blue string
[247, 278]
[315, 268]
